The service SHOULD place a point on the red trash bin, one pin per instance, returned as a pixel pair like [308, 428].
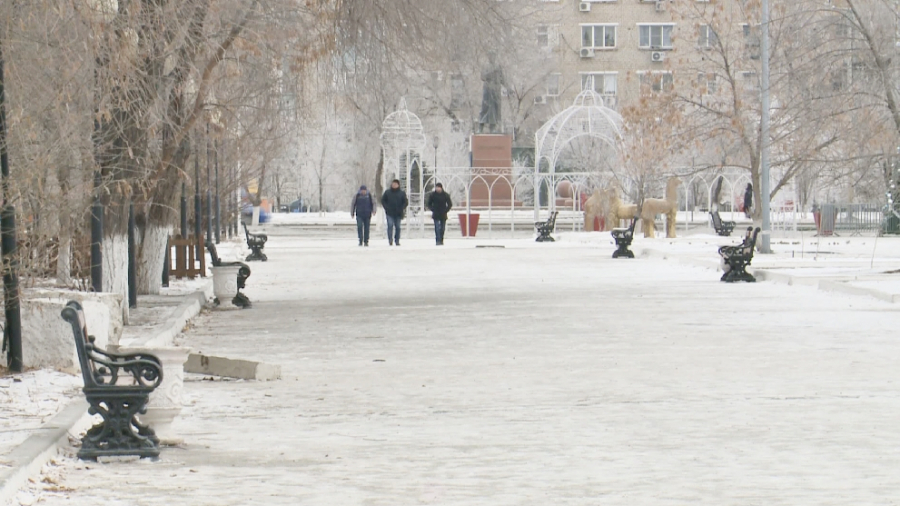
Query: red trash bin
[471, 225]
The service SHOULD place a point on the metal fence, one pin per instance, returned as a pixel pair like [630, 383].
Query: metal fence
[849, 219]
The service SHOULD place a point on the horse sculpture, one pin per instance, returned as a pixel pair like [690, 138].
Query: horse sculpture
[617, 210]
[667, 206]
[596, 206]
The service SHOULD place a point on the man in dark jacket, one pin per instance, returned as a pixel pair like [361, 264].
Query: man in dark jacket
[394, 202]
[748, 200]
[439, 204]
[363, 208]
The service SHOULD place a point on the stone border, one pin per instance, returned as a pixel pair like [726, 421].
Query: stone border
[27, 459]
[188, 309]
[833, 285]
[231, 368]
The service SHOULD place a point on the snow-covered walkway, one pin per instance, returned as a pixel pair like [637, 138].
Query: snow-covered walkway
[531, 374]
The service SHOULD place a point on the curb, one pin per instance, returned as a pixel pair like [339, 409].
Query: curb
[27, 459]
[762, 274]
[231, 368]
[188, 309]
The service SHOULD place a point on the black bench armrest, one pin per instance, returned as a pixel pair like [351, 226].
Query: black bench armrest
[145, 369]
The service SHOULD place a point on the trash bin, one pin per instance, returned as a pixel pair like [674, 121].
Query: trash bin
[825, 223]
[471, 225]
[891, 223]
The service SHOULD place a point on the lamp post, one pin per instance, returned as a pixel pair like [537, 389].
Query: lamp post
[13, 331]
[764, 131]
[198, 212]
[184, 218]
[434, 143]
[218, 209]
[208, 192]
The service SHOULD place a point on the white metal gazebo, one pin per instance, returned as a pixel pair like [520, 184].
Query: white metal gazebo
[402, 140]
[588, 116]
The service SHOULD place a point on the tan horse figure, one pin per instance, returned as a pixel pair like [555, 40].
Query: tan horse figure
[667, 206]
[617, 210]
[597, 206]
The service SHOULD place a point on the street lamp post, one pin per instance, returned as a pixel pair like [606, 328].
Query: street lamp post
[435, 142]
[764, 131]
[13, 331]
[198, 211]
[208, 191]
[218, 209]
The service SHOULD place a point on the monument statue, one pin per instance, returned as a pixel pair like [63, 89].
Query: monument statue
[489, 120]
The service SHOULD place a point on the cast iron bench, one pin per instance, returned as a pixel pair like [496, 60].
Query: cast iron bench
[255, 242]
[545, 228]
[240, 300]
[723, 228]
[117, 387]
[623, 237]
[735, 259]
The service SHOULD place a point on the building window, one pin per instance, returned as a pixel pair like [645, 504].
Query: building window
[598, 36]
[751, 40]
[708, 83]
[548, 36]
[457, 91]
[655, 36]
[553, 81]
[656, 82]
[750, 81]
[603, 83]
[707, 37]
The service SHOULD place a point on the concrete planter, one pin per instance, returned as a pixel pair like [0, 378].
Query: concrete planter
[166, 401]
[47, 338]
[225, 282]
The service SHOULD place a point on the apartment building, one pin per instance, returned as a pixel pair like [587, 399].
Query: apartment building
[619, 48]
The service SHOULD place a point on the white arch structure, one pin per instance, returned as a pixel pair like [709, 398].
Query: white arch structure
[588, 116]
[402, 135]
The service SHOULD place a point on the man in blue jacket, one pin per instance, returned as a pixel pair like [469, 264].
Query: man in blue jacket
[363, 208]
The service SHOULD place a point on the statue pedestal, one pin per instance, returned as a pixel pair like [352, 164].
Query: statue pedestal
[494, 186]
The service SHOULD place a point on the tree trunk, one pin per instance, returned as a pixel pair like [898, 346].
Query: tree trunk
[151, 251]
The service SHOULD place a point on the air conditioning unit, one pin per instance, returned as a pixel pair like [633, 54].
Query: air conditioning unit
[660, 5]
[584, 7]
[587, 52]
[540, 100]
[657, 56]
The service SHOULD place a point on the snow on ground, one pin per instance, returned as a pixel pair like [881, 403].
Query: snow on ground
[29, 400]
[528, 374]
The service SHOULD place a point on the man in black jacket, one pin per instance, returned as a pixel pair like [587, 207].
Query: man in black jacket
[394, 202]
[439, 204]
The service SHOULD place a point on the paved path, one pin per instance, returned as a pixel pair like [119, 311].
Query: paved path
[534, 374]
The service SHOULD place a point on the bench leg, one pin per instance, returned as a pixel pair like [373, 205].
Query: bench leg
[256, 254]
[240, 300]
[120, 433]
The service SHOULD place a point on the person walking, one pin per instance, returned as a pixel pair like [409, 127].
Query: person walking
[394, 202]
[748, 200]
[439, 204]
[362, 208]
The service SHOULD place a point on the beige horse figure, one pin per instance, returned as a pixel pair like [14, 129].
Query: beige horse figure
[597, 206]
[617, 210]
[667, 206]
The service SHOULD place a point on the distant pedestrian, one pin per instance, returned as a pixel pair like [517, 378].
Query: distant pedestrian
[363, 208]
[748, 200]
[394, 202]
[439, 204]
